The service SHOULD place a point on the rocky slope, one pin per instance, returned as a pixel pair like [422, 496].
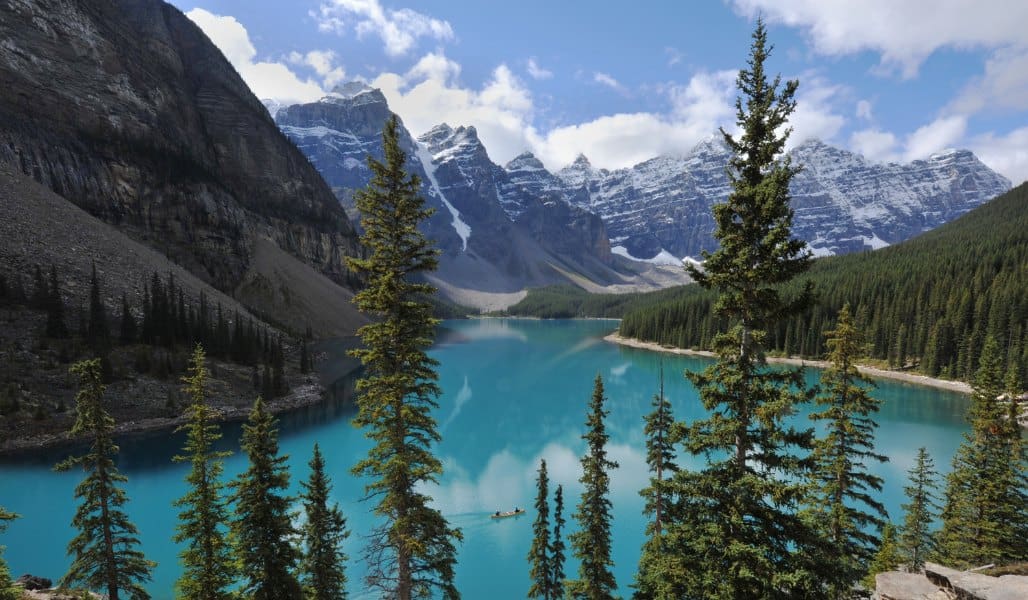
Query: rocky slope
[843, 203]
[126, 109]
[489, 247]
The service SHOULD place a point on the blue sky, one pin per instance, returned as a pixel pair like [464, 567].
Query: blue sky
[623, 82]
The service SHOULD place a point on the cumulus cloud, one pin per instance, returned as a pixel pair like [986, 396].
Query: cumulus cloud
[265, 79]
[1003, 85]
[816, 116]
[904, 33]
[323, 63]
[536, 72]
[863, 110]
[884, 146]
[399, 29]
[876, 145]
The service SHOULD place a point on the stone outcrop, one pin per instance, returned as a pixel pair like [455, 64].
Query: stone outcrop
[942, 583]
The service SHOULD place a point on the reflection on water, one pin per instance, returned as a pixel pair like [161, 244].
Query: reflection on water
[514, 392]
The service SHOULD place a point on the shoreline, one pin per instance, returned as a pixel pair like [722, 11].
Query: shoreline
[873, 372]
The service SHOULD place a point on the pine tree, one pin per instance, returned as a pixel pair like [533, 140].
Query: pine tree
[916, 540]
[592, 544]
[1013, 512]
[262, 529]
[323, 564]
[305, 360]
[128, 323]
[976, 517]
[739, 529]
[55, 326]
[207, 569]
[7, 589]
[97, 333]
[886, 559]
[557, 545]
[540, 569]
[104, 553]
[846, 509]
[659, 505]
[412, 553]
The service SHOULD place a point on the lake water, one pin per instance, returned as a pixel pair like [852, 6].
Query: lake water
[515, 391]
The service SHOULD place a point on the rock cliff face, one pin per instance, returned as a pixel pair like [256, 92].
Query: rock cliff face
[498, 233]
[126, 109]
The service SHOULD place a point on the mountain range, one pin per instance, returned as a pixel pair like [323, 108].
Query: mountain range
[657, 211]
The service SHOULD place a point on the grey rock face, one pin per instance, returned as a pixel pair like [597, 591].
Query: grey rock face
[125, 108]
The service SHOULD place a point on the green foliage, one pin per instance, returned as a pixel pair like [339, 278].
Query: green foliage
[412, 554]
[540, 570]
[916, 539]
[930, 302]
[566, 301]
[7, 589]
[739, 532]
[557, 544]
[986, 492]
[323, 564]
[104, 552]
[207, 567]
[845, 509]
[650, 580]
[592, 544]
[262, 529]
[886, 559]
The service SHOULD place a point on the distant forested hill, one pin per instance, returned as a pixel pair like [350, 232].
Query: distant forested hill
[928, 303]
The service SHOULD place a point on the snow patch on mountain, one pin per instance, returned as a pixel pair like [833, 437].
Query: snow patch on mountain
[662, 258]
[463, 229]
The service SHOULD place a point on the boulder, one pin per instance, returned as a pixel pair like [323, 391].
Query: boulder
[895, 585]
[968, 585]
[32, 582]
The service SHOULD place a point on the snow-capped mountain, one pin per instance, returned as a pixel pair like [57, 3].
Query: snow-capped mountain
[498, 232]
[842, 202]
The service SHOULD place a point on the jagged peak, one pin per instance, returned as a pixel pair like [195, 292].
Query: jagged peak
[526, 161]
[350, 89]
[580, 162]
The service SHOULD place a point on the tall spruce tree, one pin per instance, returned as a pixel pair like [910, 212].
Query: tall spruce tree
[977, 522]
[540, 570]
[262, 529]
[413, 553]
[323, 565]
[55, 325]
[104, 553]
[1014, 511]
[128, 330]
[557, 544]
[207, 566]
[659, 502]
[97, 332]
[916, 539]
[7, 590]
[845, 508]
[592, 544]
[740, 531]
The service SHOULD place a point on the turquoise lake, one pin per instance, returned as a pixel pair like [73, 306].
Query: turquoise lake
[514, 391]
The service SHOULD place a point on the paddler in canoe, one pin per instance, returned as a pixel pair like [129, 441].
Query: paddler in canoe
[509, 513]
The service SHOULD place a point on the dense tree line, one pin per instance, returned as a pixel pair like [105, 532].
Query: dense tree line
[166, 323]
[928, 303]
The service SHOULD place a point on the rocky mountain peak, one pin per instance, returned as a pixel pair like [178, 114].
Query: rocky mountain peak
[351, 89]
[578, 173]
[526, 161]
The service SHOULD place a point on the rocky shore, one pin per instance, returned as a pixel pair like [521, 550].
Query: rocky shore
[873, 372]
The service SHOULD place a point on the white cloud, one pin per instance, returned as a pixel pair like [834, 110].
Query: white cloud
[674, 55]
[536, 72]
[1004, 84]
[941, 133]
[884, 146]
[875, 145]
[1006, 154]
[815, 116]
[323, 63]
[399, 29]
[434, 66]
[266, 79]
[863, 110]
[904, 33]
[607, 80]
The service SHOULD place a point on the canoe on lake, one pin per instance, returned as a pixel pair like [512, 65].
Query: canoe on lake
[509, 513]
